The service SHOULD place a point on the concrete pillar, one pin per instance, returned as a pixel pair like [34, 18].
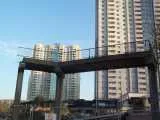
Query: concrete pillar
[17, 108]
[59, 89]
[19, 83]
[153, 92]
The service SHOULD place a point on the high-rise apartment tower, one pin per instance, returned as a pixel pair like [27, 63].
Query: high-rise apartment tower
[121, 22]
[44, 84]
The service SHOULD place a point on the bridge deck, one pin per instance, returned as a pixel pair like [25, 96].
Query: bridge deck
[127, 60]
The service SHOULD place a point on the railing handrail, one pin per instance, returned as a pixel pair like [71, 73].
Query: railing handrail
[105, 46]
[113, 115]
[129, 47]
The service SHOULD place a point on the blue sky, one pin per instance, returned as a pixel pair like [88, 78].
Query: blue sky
[26, 22]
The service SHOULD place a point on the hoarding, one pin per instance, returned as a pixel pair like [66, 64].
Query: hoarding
[50, 116]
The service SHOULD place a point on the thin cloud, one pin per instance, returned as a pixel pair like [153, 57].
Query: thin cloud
[11, 48]
[7, 49]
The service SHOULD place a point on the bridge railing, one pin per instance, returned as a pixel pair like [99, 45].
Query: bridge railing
[56, 54]
[113, 116]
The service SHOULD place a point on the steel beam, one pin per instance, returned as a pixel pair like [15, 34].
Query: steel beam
[128, 60]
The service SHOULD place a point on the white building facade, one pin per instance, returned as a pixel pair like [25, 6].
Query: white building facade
[119, 22]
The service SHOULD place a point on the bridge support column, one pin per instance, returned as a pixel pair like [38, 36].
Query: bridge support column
[154, 101]
[59, 89]
[19, 84]
[17, 108]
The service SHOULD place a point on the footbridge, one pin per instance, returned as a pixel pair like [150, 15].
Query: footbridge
[143, 56]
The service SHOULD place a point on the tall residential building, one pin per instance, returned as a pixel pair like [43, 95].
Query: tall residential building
[44, 84]
[36, 77]
[157, 20]
[119, 22]
[157, 11]
[157, 24]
